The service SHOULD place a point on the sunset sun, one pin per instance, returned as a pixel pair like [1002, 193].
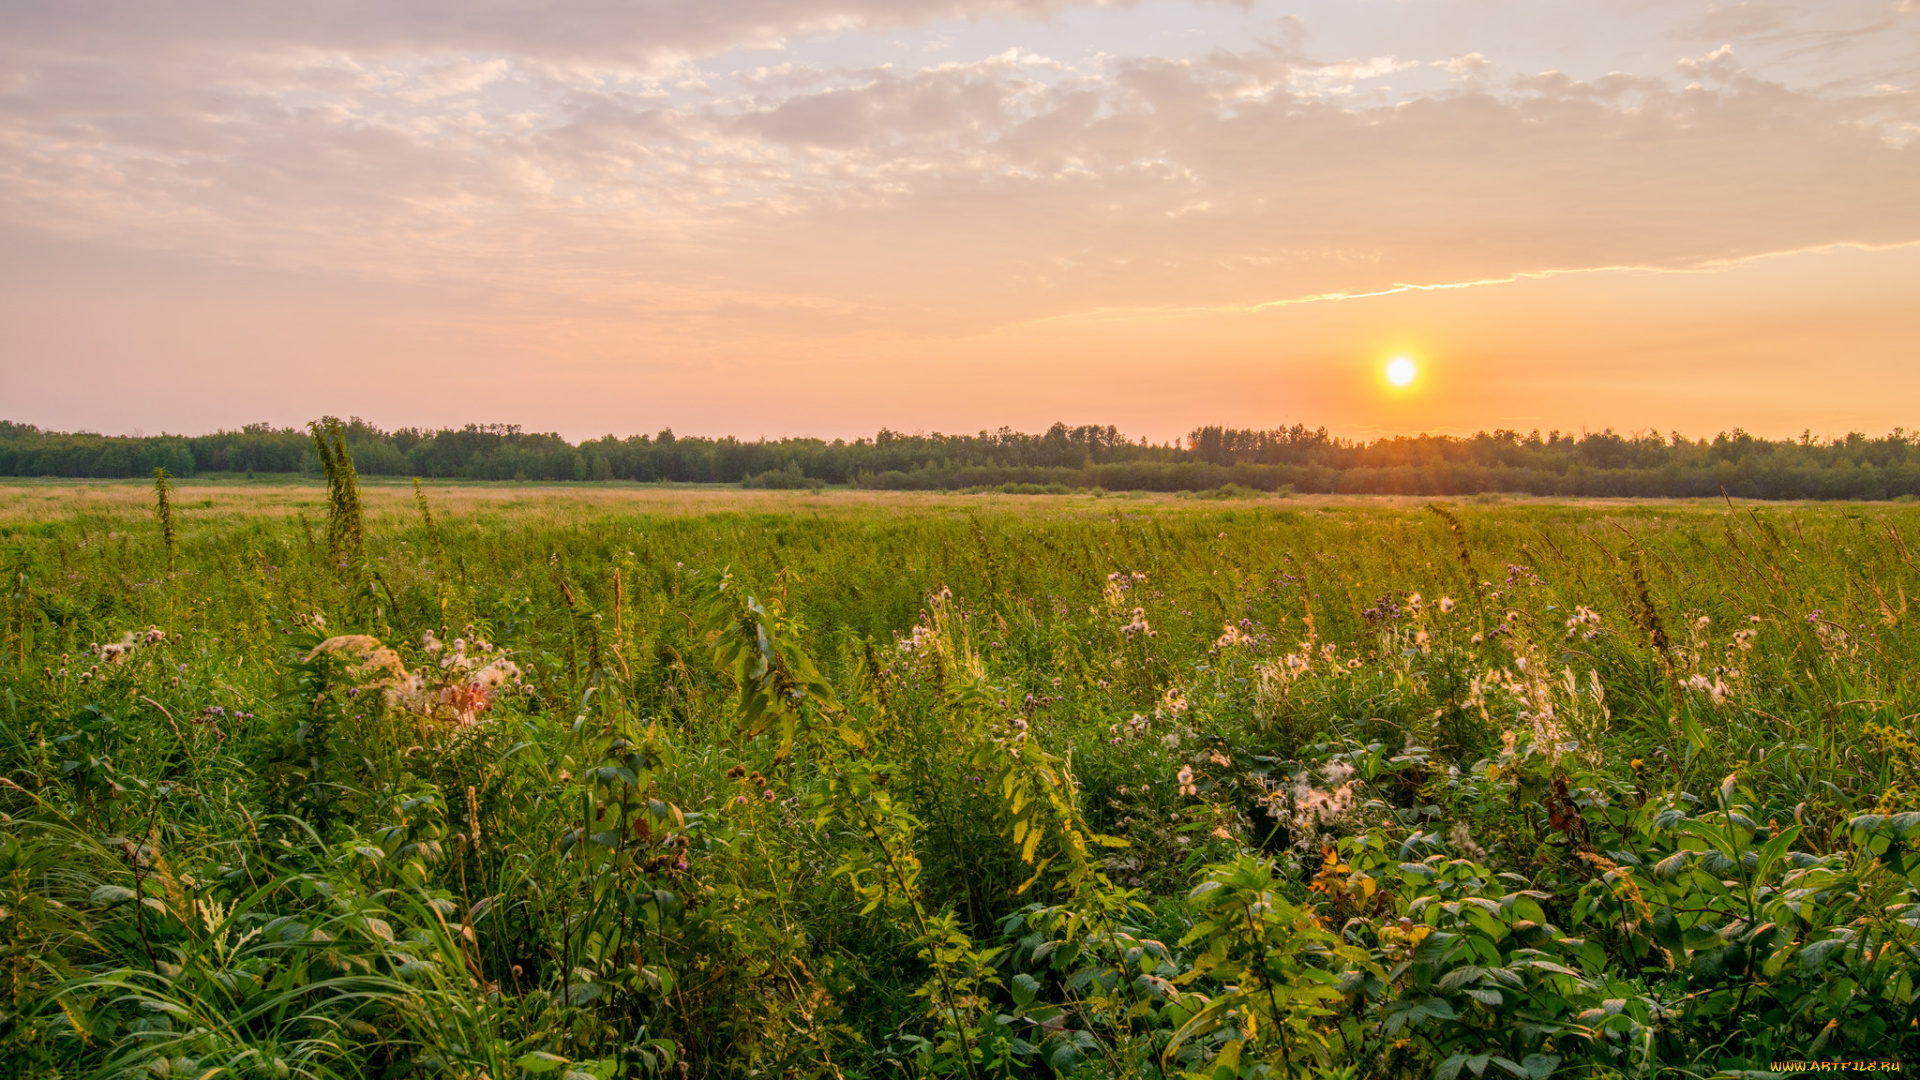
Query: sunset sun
[1400, 371]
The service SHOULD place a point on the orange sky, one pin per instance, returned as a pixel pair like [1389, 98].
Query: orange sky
[826, 216]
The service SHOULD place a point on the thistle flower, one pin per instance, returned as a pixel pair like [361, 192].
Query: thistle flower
[1185, 778]
[1585, 622]
[1461, 837]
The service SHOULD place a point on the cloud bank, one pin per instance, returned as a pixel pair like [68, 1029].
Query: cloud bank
[756, 169]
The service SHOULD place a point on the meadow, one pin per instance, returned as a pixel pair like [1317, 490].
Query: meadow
[504, 781]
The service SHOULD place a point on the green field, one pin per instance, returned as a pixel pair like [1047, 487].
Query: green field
[622, 780]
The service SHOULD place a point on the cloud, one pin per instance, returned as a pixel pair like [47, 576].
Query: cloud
[1736, 21]
[1470, 64]
[947, 198]
[563, 29]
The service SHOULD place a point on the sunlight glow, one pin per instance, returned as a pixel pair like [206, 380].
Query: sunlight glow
[1400, 371]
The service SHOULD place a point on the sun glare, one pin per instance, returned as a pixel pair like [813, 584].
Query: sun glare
[1400, 371]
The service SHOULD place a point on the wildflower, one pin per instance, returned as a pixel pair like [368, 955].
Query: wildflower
[1185, 777]
[1221, 832]
[768, 795]
[736, 772]
[1703, 622]
[1715, 689]
[1315, 806]
[1139, 625]
[116, 653]
[1461, 837]
[1218, 758]
[1231, 636]
[1446, 604]
[1583, 617]
[922, 637]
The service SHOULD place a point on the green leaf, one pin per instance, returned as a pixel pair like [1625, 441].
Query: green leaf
[539, 1061]
[1816, 954]
[1526, 907]
[1459, 977]
[1540, 1066]
[1024, 988]
[111, 894]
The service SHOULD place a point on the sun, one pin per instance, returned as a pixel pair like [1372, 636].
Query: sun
[1400, 371]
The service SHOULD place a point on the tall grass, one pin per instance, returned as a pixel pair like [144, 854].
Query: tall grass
[1042, 787]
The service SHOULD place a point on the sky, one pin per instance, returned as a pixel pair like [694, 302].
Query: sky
[824, 217]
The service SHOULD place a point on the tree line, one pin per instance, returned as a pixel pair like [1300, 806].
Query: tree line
[1297, 458]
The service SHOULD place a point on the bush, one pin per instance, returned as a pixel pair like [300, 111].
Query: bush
[789, 478]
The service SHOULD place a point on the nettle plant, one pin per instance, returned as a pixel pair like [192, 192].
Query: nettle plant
[1744, 937]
